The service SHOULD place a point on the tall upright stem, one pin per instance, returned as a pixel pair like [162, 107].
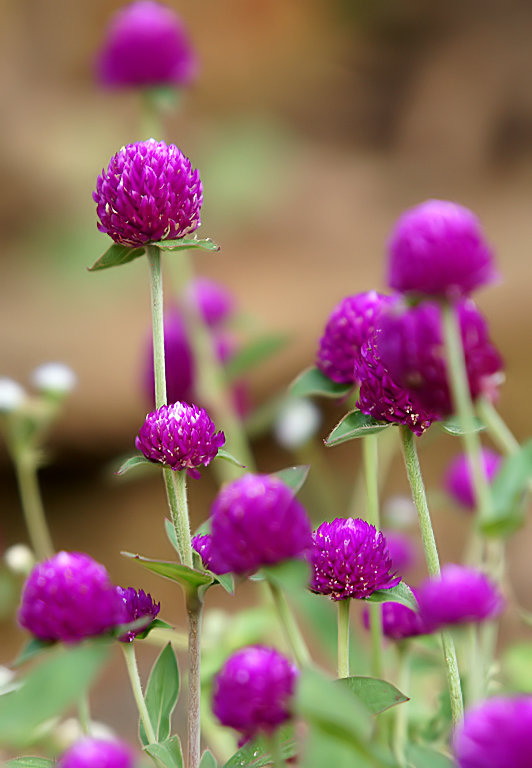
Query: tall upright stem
[400, 730]
[497, 428]
[194, 612]
[128, 650]
[289, 626]
[370, 453]
[156, 286]
[32, 506]
[179, 509]
[343, 607]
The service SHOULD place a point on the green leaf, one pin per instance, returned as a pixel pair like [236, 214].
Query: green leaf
[155, 624]
[424, 757]
[132, 462]
[508, 492]
[49, 689]
[293, 477]
[250, 355]
[29, 762]
[33, 648]
[185, 243]
[313, 382]
[189, 578]
[162, 693]
[168, 752]
[208, 760]
[378, 695]
[290, 575]
[398, 594]
[354, 424]
[255, 754]
[453, 426]
[115, 256]
[171, 534]
[226, 456]
[517, 666]
[225, 580]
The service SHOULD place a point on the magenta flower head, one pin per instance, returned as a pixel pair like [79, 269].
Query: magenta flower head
[180, 436]
[148, 193]
[179, 361]
[460, 596]
[399, 622]
[215, 302]
[458, 480]
[411, 348]
[349, 558]
[256, 520]
[349, 326]
[496, 733]
[253, 691]
[137, 605]
[146, 46]
[69, 597]
[438, 248]
[98, 753]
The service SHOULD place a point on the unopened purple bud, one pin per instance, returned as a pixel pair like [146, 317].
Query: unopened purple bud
[496, 733]
[148, 193]
[180, 436]
[98, 753]
[458, 480]
[349, 558]
[146, 46]
[215, 302]
[438, 248]
[460, 595]
[138, 605]
[254, 689]
[69, 597]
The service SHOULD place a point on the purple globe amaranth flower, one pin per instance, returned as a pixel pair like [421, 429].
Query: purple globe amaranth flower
[496, 733]
[458, 480]
[148, 193]
[402, 550]
[399, 622]
[98, 753]
[256, 520]
[146, 46]
[460, 595]
[179, 361]
[349, 558]
[180, 436]
[382, 397]
[438, 248]
[349, 326]
[202, 544]
[138, 605]
[215, 302]
[253, 691]
[69, 597]
[411, 348]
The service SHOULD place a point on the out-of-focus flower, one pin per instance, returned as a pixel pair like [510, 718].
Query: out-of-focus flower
[69, 597]
[438, 248]
[138, 605]
[349, 558]
[148, 193]
[297, 421]
[400, 622]
[55, 378]
[180, 436]
[19, 559]
[253, 690]
[146, 45]
[461, 595]
[202, 544]
[98, 753]
[12, 395]
[215, 302]
[458, 480]
[349, 326]
[496, 733]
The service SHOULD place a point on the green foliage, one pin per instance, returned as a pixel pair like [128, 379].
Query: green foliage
[353, 425]
[251, 355]
[453, 427]
[424, 757]
[517, 666]
[293, 477]
[378, 695]
[290, 575]
[190, 579]
[208, 760]
[115, 256]
[162, 693]
[226, 456]
[509, 490]
[256, 753]
[313, 382]
[29, 762]
[168, 752]
[33, 648]
[133, 461]
[188, 243]
[398, 594]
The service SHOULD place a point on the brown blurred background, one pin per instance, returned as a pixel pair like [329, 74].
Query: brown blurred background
[313, 124]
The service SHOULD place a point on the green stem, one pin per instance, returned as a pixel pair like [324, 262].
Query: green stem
[400, 731]
[194, 612]
[275, 750]
[156, 286]
[370, 454]
[497, 427]
[415, 479]
[475, 678]
[133, 672]
[291, 631]
[32, 506]
[176, 493]
[343, 637]
[84, 715]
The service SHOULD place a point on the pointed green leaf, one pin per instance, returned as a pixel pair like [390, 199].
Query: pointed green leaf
[226, 456]
[378, 695]
[290, 575]
[398, 594]
[189, 578]
[293, 477]
[248, 357]
[424, 757]
[115, 256]
[171, 534]
[453, 426]
[208, 760]
[355, 424]
[226, 580]
[162, 693]
[255, 754]
[185, 243]
[29, 762]
[313, 382]
[155, 624]
[33, 648]
[508, 492]
[169, 752]
[133, 461]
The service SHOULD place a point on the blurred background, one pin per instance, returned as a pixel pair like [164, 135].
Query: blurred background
[313, 125]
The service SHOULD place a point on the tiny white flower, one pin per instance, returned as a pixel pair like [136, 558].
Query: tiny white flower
[54, 377]
[12, 395]
[19, 559]
[297, 421]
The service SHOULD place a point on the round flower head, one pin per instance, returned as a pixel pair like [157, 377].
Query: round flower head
[349, 326]
[458, 480]
[179, 361]
[148, 193]
[411, 348]
[461, 595]
[349, 558]
[438, 248]
[98, 753]
[69, 597]
[202, 544]
[256, 520]
[253, 690]
[146, 45]
[181, 436]
[215, 302]
[496, 733]
[137, 605]
[400, 622]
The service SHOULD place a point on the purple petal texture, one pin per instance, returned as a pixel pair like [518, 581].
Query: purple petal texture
[458, 481]
[438, 248]
[254, 689]
[148, 193]
[202, 544]
[349, 558]
[146, 45]
[496, 733]
[98, 753]
[137, 606]
[69, 597]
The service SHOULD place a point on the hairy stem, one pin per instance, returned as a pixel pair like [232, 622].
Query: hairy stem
[133, 672]
[32, 506]
[343, 607]
[156, 286]
[194, 613]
